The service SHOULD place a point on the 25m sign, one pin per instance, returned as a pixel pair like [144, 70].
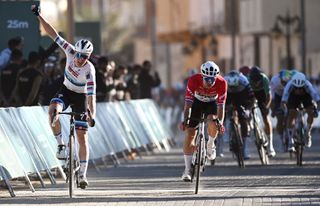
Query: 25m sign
[17, 24]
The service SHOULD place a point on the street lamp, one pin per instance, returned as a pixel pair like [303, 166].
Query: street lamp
[287, 21]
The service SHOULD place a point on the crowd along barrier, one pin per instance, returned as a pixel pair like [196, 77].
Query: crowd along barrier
[27, 145]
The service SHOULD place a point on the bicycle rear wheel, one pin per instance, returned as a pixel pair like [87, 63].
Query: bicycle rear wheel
[198, 164]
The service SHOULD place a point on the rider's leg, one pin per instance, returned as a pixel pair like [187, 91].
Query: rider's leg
[268, 131]
[213, 132]
[83, 151]
[292, 114]
[56, 128]
[188, 149]
[310, 119]
[245, 134]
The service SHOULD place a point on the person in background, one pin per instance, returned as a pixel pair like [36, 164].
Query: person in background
[147, 81]
[111, 91]
[120, 84]
[29, 82]
[8, 77]
[101, 67]
[5, 55]
[133, 82]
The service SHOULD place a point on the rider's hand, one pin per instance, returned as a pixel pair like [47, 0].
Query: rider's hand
[35, 9]
[222, 129]
[182, 126]
[90, 119]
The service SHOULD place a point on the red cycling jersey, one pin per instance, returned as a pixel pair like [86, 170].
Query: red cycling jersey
[195, 89]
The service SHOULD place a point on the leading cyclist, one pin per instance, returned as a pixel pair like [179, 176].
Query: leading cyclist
[299, 91]
[206, 92]
[78, 91]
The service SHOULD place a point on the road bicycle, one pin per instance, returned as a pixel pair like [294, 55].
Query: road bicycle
[260, 136]
[300, 134]
[72, 164]
[235, 138]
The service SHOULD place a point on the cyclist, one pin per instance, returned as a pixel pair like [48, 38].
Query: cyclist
[206, 92]
[245, 70]
[241, 97]
[277, 84]
[78, 91]
[299, 91]
[261, 88]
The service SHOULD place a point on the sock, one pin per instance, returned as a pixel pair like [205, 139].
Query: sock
[187, 162]
[83, 167]
[59, 139]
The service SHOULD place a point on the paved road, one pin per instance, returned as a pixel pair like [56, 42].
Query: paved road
[155, 180]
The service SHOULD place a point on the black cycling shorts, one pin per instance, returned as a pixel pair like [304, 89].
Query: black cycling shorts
[198, 108]
[262, 101]
[295, 100]
[76, 101]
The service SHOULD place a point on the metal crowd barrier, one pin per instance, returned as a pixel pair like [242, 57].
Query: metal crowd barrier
[27, 145]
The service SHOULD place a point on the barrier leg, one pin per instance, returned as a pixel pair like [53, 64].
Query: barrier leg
[6, 181]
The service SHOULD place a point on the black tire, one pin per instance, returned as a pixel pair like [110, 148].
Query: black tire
[198, 164]
[299, 145]
[261, 149]
[71, 166]
[237, 144]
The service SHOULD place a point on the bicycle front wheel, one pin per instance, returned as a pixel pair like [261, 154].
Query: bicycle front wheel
[261, 149]
[198, 164]
[71, 166]
[237, 144]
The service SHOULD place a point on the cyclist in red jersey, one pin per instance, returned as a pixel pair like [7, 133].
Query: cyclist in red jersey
[206, 92]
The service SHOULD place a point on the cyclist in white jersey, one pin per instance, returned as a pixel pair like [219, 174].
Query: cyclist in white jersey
[299, 91]
[78, 91]
[277, 84]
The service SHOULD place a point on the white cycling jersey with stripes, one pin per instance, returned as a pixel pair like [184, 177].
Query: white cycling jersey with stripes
[78, 79]
[308, 88]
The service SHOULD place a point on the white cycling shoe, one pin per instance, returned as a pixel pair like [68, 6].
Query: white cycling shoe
[271, 151]
[186, 176]
[211, 150]
[61, 152]
[83, 182]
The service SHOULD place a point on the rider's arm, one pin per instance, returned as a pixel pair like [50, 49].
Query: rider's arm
[92, 105]
[46, 25]
[267, 90]
[91, 91]
[222, 96]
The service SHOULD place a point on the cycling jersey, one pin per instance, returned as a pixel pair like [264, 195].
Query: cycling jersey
[243, 83]
[260, 85]
[77, 79]
[307, 90]
[216, 93]
[277, 87]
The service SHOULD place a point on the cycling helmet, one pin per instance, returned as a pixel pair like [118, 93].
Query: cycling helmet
[299, 79]
[209, 69]
[233, 78]
[245, 70]
[255, 73]
[285, 75]
[84, 46]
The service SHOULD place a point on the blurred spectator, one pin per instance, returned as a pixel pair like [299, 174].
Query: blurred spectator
[14, 43]
[28, 83]
[8, 77]
[147, 81]
[111, 91]
[53, 79]
[133, 82]
[120, 84]
[101, 71]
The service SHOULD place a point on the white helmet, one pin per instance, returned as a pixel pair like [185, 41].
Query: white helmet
[233, 79]
[209, 69]
[299, 79]
[84, 46]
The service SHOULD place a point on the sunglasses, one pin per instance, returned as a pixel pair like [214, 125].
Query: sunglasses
[209, 80]
[83, 56]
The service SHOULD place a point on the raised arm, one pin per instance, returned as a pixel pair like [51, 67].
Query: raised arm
[47, 27]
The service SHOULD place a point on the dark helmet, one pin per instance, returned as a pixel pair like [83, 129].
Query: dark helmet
[245, 70]
[255, 73]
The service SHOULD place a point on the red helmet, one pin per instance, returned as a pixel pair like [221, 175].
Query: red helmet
[245, 70]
